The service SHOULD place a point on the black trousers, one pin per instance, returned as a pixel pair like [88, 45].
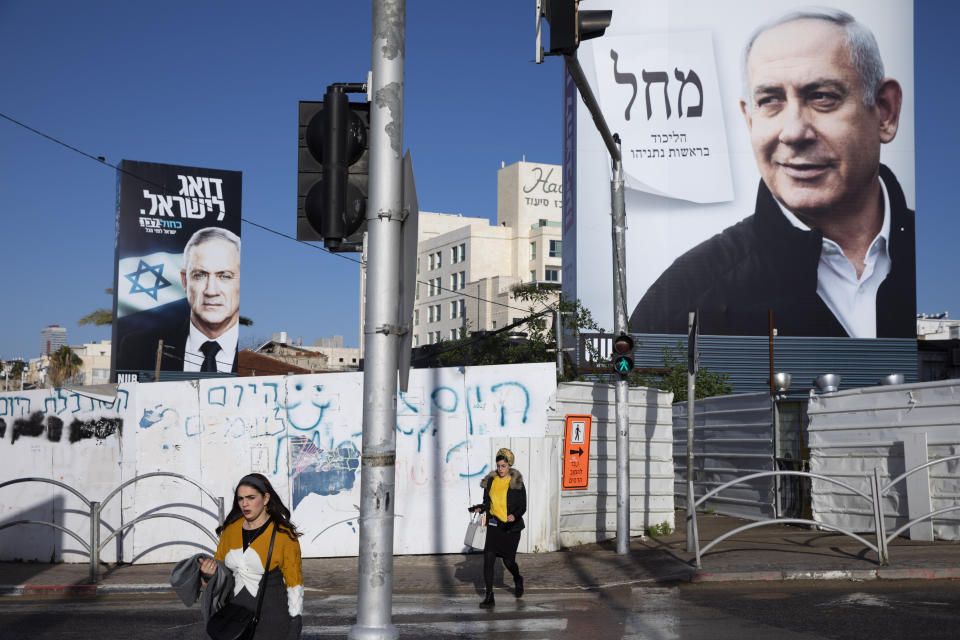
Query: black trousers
[504, 544]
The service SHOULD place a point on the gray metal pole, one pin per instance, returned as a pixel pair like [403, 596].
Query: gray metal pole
[95, 541]
[558, 333]
[691, 393]
[380, 329]
[618, 224]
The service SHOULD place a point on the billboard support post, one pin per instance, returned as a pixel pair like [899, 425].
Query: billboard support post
[381, 330]
[691, 417]
[618, 224]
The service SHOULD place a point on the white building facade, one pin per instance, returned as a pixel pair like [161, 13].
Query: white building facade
[467, 266]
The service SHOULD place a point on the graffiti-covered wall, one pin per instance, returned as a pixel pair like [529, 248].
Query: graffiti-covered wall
[303, 432]
[71, 438]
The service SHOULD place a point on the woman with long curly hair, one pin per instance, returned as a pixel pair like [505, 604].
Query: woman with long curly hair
[244, 545]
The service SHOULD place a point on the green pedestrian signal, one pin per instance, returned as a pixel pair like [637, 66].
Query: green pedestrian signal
[623, 354]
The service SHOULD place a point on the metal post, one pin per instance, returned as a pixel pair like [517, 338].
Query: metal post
[94, 540]
[879, 522]
[691, 416]
[220, 503]
[380, 328]
[618, 224]
[558, 333]
[777, 486]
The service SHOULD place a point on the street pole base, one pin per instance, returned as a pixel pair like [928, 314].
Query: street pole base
[388, 632]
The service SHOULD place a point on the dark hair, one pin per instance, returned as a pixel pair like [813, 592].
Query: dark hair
[275, 507]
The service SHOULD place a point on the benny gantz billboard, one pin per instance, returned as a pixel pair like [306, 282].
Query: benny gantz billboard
[177, 269]
[768, 162]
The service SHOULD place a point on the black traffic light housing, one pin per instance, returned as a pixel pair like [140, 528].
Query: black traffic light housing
[623, 354]
[569, 26]
[333, 168]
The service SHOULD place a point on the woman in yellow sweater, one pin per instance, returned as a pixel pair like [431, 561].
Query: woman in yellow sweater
[505, 501]
[243, 548]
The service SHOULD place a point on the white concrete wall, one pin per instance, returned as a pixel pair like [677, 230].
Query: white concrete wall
[303, 432]
[590, 515]
[852, 432]
[73, 439]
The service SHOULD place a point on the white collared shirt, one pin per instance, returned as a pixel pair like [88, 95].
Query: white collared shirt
[193, 357]
[852, 300]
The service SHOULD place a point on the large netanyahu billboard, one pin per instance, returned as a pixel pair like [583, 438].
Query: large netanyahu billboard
[177, 269]
[768, 158]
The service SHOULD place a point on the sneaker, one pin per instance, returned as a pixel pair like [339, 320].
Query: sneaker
[487, 602]
[518, 587]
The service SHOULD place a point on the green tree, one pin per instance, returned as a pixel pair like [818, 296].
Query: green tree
[539, 343]
[673, 377]
[64, 364]
[16, 371]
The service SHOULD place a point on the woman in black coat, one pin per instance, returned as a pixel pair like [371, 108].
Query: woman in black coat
[505, 502]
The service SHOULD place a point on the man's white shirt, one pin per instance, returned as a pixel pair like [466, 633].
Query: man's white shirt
[852, 300]
[193, 357]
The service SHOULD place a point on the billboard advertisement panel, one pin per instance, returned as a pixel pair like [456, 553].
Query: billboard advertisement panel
[768, 158]
[177, 269]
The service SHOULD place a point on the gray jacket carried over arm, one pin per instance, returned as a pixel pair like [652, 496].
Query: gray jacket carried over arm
[186, 581]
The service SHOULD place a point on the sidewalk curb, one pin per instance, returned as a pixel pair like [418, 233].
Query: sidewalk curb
[784, 575]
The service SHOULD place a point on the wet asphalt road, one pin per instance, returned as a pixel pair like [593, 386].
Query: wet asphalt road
[929, 610]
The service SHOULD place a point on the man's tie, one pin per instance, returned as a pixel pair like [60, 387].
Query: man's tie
[210, 348]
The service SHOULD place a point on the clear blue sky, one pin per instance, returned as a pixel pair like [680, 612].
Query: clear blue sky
[216, 85]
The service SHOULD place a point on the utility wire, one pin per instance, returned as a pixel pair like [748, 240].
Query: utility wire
[166, 190]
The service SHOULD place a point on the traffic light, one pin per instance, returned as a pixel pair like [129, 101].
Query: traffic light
[332, 169]
[569, 26]
[623, 354]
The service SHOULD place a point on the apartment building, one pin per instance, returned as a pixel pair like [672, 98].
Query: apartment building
[466, 266]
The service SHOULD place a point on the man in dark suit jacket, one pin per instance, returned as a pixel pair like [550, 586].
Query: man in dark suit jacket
[830, 247]
[207, 341]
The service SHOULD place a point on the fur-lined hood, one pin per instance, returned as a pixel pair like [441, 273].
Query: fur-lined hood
[516, 480]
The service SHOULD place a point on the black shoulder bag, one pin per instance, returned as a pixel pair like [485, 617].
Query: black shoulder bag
[233, 622]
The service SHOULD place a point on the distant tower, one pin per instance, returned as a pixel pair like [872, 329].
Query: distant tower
[52, 338]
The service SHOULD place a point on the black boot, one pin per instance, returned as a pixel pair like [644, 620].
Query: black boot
[488, 601]
[518, 587]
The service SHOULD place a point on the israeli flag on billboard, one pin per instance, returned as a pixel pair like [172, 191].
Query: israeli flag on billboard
[148, 282]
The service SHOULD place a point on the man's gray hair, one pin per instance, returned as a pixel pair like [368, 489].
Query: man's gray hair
[206, 235]
[864, 52]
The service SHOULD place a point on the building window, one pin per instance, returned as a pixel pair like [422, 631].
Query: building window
[430, 313]
[555, 246]
[462, 276]
[453, 282]
[453, 309]
[533, 276]
[437, 311]
[463, 308]
[416, 340]
[418, 265]
[454, 334]
[533, 250]
[416, 317]
[551, 275]
[433, 262]
[463, 252]
[416, 290]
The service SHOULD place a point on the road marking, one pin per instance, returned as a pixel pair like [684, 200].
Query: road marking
[458, 627]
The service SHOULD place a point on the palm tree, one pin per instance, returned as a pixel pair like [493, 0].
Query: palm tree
[64, 364]
[16, 370]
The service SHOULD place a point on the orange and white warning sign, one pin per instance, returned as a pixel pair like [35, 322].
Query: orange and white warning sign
[576, 452]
